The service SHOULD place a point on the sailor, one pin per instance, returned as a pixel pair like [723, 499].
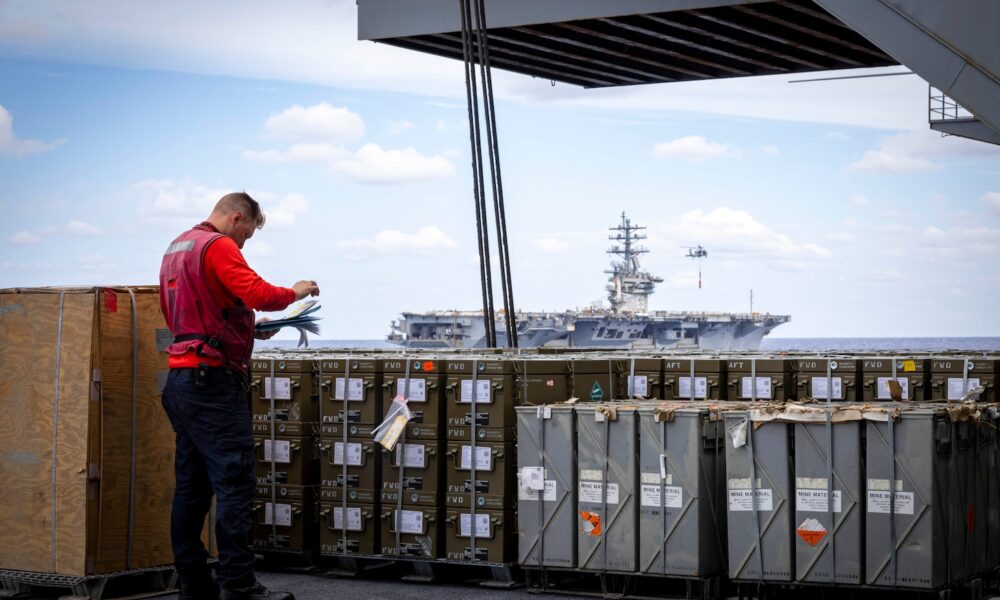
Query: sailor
[208, 294]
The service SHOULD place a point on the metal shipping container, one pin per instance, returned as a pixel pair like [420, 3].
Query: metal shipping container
[910, 372]
[361, 524]
[495, 540]
[362, 404]
[774, 378]
[953, 376]
[708, 375]
[814, 375]
[292, 383]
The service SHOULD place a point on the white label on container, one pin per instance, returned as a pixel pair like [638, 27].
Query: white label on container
[483, 389]
[533, 478]
[700, 387]
[592, 474]
[763, 387]
[353, 518]
[410, 521]
[417, 391]
[739, 501]
[883, 387]
[591, 492]
[280, 449]
[355, 389]
[819, 392]
[640, 385]
[280, 513]
[281, 388]
[811, 500]
[353, 454]
[878, 502]
[482, 525]
[955, 391]
[882, 485]
[484, 458]
[414, 456]
[657, 478]
[666, 496]
[549, 494]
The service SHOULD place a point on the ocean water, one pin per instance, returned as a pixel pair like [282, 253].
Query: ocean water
[971, 344]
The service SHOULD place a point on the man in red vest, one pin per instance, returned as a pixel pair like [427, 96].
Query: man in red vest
[208, 294]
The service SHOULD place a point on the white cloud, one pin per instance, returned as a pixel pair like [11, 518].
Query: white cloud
[918, 151]
[24, 238]
[890, 214]
[551, 244]
[694, 148]
[858, 200]
[770, 150]
[283, 211]
[961, 241]
[398, 127]
[13, 147]
[255, 248]
[80, 228]
[321, 122]
[173, 203]
[840, 236]
[97, 262]
[836, 136]
[372, 164]
[992, 200]
[426, 240]
[298, 153]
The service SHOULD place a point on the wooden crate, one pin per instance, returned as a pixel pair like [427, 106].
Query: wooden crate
[86, 451]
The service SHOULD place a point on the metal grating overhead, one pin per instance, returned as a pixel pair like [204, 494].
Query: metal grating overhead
[711, 41]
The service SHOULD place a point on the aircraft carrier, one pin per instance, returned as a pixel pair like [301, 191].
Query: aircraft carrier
[627, 323]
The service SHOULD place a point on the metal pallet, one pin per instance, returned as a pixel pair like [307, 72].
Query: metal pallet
[425, 570]
[143, 583]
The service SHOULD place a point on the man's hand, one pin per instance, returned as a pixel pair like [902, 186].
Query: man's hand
[305, 288]
[264, 335]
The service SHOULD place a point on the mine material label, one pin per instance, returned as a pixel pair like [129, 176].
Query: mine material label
[592, 492]
[700, 387]
[810, 500]
[658, 496]
[548, 495]
[878, 502]
[354, 453]
[763, 387]
[483, 389]
[415, 391]
[955, 390]
[355, 389]
[353, 518]
[278, 514]
[280, 450]
[818, 388]
[740, 500]
[280, 387]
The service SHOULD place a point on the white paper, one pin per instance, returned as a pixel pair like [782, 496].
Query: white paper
[640, 385]
[883, 387]
[819, 391]
[417, 389]
[533, 478]
[282, 388]
[282, 514]
[878, 502]
[737, 431]
[483, 389]
[353, 518]
[739, 501]
[484, 458]
[700, 387]
[656, 496]
[353, 454]
[810, 500]
[482, 525]
[955, 391]
[410, 521]
[414, 456]
[280, 449]
[355, 389]
[549, 495]
[591, 492]
[763, 388]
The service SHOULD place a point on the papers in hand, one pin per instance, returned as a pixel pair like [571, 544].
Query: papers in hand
[300, 317]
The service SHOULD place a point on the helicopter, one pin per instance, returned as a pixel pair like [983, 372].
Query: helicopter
[697, 252]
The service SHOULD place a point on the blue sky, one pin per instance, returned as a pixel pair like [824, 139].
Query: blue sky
[122, 123]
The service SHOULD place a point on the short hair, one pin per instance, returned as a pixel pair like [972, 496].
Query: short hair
[241, 201]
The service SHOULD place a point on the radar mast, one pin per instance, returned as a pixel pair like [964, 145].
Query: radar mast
[629, 287]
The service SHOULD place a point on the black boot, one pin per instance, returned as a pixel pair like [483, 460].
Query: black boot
[255, 592]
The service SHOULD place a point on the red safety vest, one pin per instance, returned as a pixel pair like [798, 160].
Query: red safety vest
[195, 316]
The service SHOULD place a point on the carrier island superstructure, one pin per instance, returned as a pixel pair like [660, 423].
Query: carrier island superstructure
[625, 323]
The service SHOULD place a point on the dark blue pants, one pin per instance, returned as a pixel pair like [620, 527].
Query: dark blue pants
[214, 457]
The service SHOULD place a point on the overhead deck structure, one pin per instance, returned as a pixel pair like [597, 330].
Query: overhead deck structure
[602, 43]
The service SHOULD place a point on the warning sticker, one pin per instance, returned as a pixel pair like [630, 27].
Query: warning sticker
[281, 514]
[482, 525]
[878, 502]
[811, 531]
[955, 391]
[414, 390]
[591, 492]
[483, 389]
[596, 393]
[818, 388]
[410, 521]
[807, 500]
[549, 495]
[279, 388]
[662, 496]
[740, 501]
[700, 387]
[763, 387]
[591, 523]
[280, 450]
[639, 385]
[354, 453]
[355, 389]
[353, 518]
